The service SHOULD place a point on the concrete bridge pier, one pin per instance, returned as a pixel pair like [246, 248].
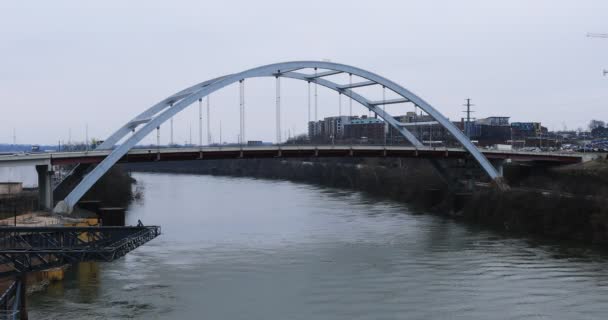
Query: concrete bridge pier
[45, 187]
[499, 164]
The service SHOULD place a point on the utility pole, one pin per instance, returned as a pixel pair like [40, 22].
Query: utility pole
[467, 126]
[14, 137]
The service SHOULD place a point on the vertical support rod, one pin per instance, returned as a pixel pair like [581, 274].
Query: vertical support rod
[208, 121]
[384, 111]
[158, 143]
[430, 135]
[339, 104]
[171, 135]
[316, 99]
[278, 110]
[350, 101]
[242, 111]
[244, 136]
[200, 123]
[308, 101]
[171, 138]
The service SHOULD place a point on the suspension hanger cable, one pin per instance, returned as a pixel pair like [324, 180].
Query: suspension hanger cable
[308, 101]
[316, 98]
[241, 136]
[278, 110]
[208, 121]
[200, 122]
[158, 143]
[350, 95]
[384, 110]
[171, 136]
[340, 104]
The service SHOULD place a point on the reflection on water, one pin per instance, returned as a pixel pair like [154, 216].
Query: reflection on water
[254, 249]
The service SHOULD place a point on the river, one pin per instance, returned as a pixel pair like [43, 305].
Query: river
[238, 248]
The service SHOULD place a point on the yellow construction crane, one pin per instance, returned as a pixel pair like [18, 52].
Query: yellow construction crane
[598, 35]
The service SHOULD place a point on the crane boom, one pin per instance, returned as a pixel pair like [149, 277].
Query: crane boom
[597, 35]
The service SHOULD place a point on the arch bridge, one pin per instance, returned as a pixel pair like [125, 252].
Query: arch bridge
[312, 72]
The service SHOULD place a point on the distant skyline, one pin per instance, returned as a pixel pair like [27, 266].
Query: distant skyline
[69, 64]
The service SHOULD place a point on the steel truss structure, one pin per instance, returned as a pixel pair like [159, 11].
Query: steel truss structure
[153, 117]
[11, 301]
[26, 249]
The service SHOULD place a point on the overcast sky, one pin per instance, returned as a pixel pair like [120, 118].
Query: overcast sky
[65, 64]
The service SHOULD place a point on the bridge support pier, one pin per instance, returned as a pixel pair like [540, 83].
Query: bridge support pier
[22, 280]
[499, 164]
[45, 187]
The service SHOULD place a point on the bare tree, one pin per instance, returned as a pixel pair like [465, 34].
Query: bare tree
[594, 124]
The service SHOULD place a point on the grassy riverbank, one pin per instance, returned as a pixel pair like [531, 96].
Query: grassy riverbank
[564, 203]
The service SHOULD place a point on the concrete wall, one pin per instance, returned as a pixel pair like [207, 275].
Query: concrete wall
[11, 187]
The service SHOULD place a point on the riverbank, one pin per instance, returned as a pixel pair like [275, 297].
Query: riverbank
[115, 189]
[568, 203]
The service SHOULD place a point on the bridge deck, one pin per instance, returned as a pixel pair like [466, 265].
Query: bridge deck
[286, 151]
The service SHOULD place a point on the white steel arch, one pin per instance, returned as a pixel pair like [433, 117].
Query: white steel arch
[153, 117]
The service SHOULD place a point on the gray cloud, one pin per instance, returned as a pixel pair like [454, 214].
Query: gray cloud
[69, 63]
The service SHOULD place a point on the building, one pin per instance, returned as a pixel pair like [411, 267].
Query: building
[326, 130]
[493, 121]
[423, 127]
[600, 132]
[315, 131]
[365, 129]
[347, 129]
[333, 127]
[487, 131]
[253, 143]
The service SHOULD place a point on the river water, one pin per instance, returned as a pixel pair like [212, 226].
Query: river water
[237, 248]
